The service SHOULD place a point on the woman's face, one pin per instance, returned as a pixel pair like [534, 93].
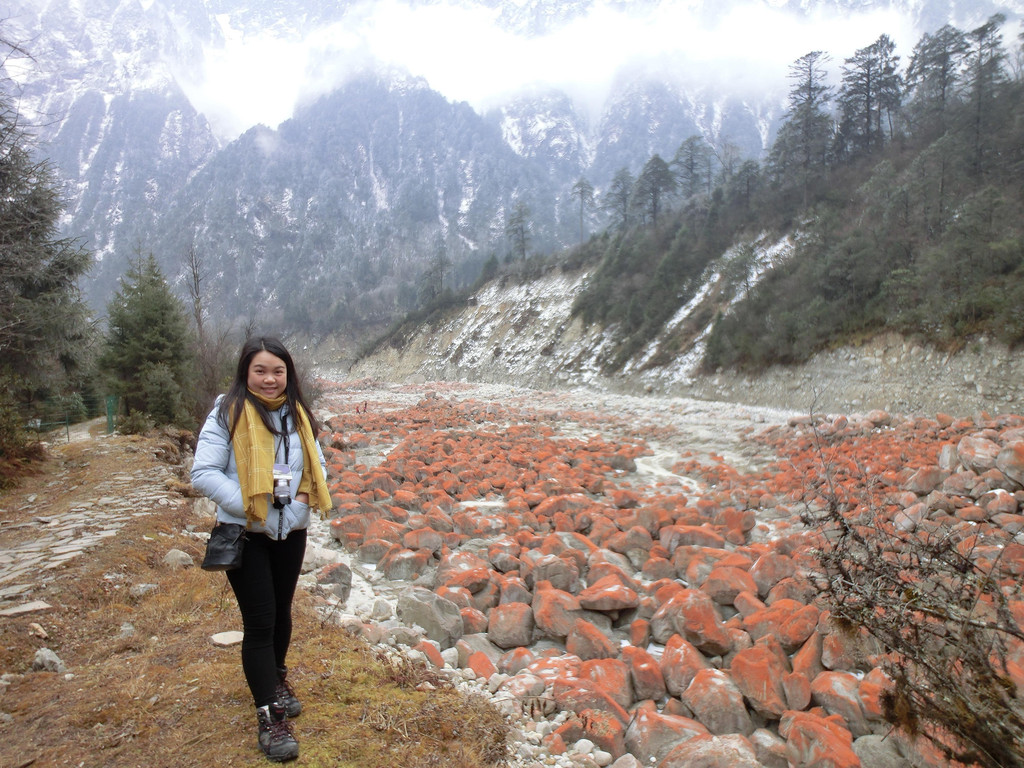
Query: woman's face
[268, 375]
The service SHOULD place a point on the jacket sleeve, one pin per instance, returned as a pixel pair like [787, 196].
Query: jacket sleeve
[213, 473]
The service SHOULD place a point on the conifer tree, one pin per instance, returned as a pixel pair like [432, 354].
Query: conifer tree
[44, 325]
[148, 349]
[985, 79]
[871, 91]
[692, 165]
[583, 190]
[618, 198]
[800, 152]
[45, 331]
[655, 183]
[517, 229]
[933, 79]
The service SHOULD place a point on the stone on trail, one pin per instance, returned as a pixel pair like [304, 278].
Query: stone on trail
[226, 639]
[31, 607]
[46, 660]
[175, 558]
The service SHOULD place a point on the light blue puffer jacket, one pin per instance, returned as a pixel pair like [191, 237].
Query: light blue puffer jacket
[215, 475]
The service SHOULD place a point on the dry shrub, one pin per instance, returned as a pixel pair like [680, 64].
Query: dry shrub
[939, 604]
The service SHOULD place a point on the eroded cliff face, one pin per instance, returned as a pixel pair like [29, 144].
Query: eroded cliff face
[524, 334]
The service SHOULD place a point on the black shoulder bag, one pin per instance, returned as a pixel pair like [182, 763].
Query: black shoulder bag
[224, 548]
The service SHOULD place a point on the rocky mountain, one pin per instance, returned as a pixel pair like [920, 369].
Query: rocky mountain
[364, 190]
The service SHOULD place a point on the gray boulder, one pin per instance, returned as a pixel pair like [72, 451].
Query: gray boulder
[439, 618]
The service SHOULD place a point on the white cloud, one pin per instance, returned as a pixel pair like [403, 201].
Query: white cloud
[463, 53]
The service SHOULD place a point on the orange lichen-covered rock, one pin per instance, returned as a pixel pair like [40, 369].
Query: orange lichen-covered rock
[724, 583]
[692, 614]
[554, 610]
[651, 735]
[577, 695]
[608, 594]
[713, 751]
[612, 676]
[473, 621]
[680, 663]
[717, 702]
[759, 674]
[814, 741]
[838, 694]
[588, 642]
[644, 673]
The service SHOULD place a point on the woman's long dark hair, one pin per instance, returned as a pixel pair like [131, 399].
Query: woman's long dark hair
[238, 393]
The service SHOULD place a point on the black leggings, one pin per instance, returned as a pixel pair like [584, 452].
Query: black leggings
[264, 587]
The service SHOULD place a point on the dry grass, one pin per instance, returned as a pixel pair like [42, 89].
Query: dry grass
[159, 693]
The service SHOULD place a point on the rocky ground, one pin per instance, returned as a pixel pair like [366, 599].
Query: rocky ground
[627, 577]
[640, 564]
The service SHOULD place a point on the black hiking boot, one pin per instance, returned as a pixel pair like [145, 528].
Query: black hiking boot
[276, 738]
[286, 694]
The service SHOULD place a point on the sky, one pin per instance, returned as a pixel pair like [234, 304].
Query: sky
[463, 53]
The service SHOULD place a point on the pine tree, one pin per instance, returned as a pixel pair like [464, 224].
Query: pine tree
[800, 153]
[44, 324]
[45, 331]
[986, 77]
[618, 198]
[655, 183]
[933, 79]
[517, 229]
[692, 165]
[871, 91]
[148, 350]
[584, 190]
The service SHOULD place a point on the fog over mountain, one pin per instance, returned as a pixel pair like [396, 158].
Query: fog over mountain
[358, 143]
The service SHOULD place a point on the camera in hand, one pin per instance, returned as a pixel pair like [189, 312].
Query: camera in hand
[282, 485]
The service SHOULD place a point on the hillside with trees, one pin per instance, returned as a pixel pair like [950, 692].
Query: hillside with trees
[901, 186]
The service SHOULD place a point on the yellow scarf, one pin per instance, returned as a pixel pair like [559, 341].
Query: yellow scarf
[254, 457]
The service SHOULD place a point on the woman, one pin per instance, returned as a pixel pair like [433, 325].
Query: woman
[258, 433]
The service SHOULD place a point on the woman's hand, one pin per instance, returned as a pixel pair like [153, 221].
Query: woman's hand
[302, 498]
